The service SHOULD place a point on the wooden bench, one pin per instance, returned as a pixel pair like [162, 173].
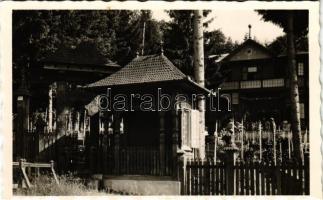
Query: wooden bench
[23, 165]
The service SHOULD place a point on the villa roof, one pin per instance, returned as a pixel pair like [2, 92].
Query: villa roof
[248, 42]
[84, 54]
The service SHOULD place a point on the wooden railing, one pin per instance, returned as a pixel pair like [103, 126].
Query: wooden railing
[39, 145]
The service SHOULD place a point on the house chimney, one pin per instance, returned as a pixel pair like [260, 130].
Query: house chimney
[249, 26]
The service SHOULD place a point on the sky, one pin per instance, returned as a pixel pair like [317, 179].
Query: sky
[235, 23]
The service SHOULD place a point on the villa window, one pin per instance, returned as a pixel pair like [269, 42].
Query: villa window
[249, 73]
[235, 98]
[185, 127]
[302, 110]
[190, 128]
[252, 69]
[300, 69]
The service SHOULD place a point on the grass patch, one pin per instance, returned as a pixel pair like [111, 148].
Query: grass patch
[45, 185]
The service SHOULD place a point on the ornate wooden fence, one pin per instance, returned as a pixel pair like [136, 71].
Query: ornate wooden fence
[209, 178]
[64, 149]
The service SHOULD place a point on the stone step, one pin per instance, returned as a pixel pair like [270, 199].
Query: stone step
[142, 185]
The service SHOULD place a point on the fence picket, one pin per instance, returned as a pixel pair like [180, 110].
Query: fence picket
[242, 172]
[268, 179]
[237, 178]
[257, 175]
[222, 183]
[307, 189]
[213, 178]
[252, 179]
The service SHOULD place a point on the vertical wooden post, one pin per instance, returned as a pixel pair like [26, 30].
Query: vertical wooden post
[182, 171]
[233, 131]
[22, 124]
[23, 113]
[274, 143]
[77, 122]
[281, 151]
[94, 141]
[61, 108]
[260, 141]
[23, 170]
[278, 179]
[116, 133]
[84, 125]
[242, 145]
[175, 143]
[229, 169]
[253, 136]
[53, 171]
[162, 142]
[215, 141]
[50, 109]
[289, 145]
[70, 122]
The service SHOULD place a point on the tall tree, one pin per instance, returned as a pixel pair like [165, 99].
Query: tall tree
[199, 73]
[178, 36]
[294, 23]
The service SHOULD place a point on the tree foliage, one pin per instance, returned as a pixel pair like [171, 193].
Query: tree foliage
[279, 17]
[178, 36]
[38, 33]
[279, 45]
[116, 33]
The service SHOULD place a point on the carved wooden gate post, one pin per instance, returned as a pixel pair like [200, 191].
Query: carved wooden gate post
[229, 169]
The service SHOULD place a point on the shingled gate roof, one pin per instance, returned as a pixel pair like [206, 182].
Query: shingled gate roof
[143, 69]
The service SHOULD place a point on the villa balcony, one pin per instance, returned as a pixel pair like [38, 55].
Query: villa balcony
[253, 84]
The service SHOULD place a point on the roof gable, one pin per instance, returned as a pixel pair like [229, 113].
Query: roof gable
[249, 50]
[143, 69]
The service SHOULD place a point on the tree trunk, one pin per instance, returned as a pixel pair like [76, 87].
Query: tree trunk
[199, 73]
[294, 93]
